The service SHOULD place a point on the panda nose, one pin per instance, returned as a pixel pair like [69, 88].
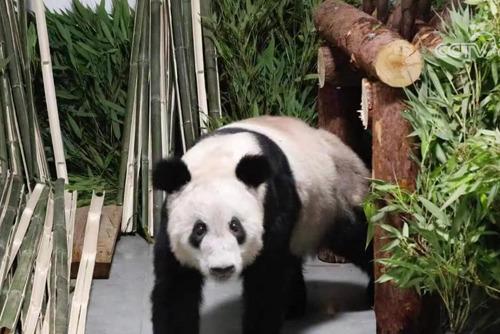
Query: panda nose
[222, 271]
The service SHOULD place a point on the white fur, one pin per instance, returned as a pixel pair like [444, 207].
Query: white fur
[328, 177]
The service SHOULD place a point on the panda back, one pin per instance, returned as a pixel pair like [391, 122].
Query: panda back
[330, 179]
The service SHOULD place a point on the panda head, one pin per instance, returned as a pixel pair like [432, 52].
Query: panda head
[215, 224]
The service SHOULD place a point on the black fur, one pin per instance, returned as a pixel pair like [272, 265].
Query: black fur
[347, 238]
[170, 175]
[197, 234]
[253, 170]
[274, 287]
[238, 230]
[177, 291]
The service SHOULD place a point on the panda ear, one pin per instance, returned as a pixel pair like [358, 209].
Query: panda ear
[253, 170]
[170, 175]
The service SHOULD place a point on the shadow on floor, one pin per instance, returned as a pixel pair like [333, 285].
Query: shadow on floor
[327, 302]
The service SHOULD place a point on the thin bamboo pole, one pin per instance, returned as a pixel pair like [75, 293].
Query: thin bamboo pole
[199, 65]
[187, 33]
[28, 80]
[8, 104]
[71, 226]
[211, 71]
[41, 272]
[156, 97]
[12, 200]
[127, 143]
[4, 157]
[60, 260]
[168, 81]
[143, 123]
[81, 294]
[182, 73]
[5, 196]
[164, 89]
[10, 34]
[50, 93]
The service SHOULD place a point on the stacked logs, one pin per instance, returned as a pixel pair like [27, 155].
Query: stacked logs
[368, 56]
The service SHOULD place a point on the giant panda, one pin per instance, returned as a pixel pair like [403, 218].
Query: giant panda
[251, 200]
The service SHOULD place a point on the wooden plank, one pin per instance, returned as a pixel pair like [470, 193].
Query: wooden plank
[109, 231]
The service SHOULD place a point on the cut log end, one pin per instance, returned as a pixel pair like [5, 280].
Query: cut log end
[326, 65]
[398, 64]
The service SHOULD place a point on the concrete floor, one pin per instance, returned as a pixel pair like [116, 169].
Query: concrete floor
[121, 305]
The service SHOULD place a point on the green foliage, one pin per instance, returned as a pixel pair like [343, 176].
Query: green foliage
[449, 241]
[90, 54]
[267, 52]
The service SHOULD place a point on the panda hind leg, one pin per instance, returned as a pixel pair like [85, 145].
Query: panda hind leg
[296, 291]
[347, 238]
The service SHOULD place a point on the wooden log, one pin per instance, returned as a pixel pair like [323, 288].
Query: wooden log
[334, 67]
[395, 18]
[382, 10]
[397, 310]
[326, 65]
[109, 230]
[378, 51]
[408, 10]
[427, 37]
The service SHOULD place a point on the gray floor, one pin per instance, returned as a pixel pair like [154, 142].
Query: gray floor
[120, 305]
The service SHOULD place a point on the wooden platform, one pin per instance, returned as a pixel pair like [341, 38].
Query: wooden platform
[109, 232]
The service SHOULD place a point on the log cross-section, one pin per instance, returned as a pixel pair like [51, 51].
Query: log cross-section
[380, 52]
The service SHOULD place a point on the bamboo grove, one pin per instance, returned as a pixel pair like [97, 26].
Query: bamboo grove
[173, 94]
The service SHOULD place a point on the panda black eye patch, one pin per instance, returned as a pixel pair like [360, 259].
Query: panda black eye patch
[197, 234]
[237, 230]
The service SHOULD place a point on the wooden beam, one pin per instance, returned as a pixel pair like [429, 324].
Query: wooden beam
[397, 310]
[380, 52]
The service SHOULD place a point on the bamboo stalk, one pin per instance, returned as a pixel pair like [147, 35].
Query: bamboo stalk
[199, 65]
[169, 77]
[41, 165]
[4, 158]
[71, 226]
[143, 114]
[156, 97]
[42, 266]
[150, 191]
[82, 290]
[127, 143]
[50, 93]
[187, 33]
[60, 260]
[5, 195]
[24, 222]
[12, 199]
[28, 80]
[12, 306]
[210, 57]
[166, 79]
[182, 73]
[8, 104]
[10, 31]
